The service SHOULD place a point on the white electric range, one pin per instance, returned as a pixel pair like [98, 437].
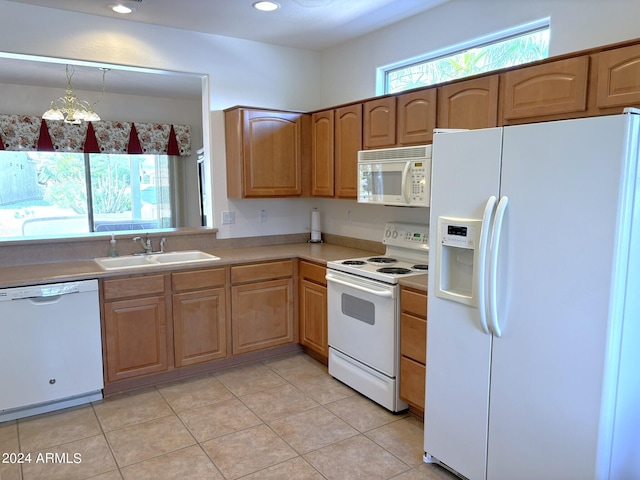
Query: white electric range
[364, 313]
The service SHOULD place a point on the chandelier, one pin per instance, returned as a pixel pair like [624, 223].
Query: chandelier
[69, 108]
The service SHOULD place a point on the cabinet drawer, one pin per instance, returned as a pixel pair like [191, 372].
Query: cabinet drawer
[212, 277]
[412, 382]
[413, 337]
[261, 271]
[413, 302]
[134, 286]
[313, 272]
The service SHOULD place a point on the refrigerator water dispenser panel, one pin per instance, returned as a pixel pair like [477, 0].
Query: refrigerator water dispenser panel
[457, 267]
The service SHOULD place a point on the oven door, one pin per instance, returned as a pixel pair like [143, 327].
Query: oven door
[362, 320]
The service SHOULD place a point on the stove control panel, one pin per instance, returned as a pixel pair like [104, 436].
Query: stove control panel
[406, 235]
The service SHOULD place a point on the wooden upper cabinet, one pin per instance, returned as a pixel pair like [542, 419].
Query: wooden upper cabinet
[555, 88]
[469, 104]
[348, 141]
[264, 153]
[416, 117]
[379, 123]
[322, 154]
[619, 77]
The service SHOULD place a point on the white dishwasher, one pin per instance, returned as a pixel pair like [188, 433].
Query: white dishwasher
[51, 348]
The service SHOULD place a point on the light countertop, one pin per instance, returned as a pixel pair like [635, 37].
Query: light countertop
[86, 269]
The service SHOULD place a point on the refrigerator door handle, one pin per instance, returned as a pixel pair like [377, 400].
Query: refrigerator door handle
[496, 233]
[483, 250]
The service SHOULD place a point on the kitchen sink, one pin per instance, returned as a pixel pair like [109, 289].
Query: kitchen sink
[154, 260]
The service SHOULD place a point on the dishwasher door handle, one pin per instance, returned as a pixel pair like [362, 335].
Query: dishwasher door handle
[44, 300]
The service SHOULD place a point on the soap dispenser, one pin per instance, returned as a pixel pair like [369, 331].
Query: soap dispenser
[113, 248]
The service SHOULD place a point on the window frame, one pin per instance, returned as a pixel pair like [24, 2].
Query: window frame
[163, 161]
[382, 73]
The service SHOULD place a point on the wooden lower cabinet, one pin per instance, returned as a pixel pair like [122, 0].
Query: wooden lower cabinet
[199, 330]
[199, 316]
[136, 337]
[157, 323]
[313, 308]
[262, 309]
[412, 382]
[413, 347]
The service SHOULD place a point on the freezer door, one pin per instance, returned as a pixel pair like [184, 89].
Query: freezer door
[465, 174]
[548, 380]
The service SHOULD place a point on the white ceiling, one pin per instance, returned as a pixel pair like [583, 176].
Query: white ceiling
[308, 24]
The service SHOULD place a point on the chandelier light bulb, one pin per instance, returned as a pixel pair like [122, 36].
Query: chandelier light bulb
[69, 108]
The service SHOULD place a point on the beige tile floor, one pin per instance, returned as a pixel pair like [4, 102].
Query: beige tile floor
[278, 419]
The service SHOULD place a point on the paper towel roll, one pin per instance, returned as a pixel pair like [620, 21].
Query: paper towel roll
[315, 226]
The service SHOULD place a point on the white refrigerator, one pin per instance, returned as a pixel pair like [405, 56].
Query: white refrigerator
[533, 333]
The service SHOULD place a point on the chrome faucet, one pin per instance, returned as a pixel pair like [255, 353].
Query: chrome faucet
[148, 246]
[146, 243]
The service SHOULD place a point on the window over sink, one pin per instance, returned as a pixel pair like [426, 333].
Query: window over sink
[44, 194]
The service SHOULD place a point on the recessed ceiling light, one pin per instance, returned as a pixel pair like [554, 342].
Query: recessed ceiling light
[120, 9]
[266, 6]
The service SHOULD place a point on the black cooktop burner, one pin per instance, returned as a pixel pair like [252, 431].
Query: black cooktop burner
[394, 270]
[354, 262]
[420, 267]
[382, 260]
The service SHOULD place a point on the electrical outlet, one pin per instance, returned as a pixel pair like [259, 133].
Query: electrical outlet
[228, 217]
[262, 215]
[349, 215]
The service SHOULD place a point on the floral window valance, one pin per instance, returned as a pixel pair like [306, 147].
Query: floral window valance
[24, 132]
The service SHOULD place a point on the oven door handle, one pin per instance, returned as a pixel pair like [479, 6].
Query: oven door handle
[379, 293]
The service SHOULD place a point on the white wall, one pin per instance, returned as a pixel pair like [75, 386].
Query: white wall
[349, 70]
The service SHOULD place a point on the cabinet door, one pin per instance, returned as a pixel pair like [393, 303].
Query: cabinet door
[469, 104]
[313, 317]
[264, 153]
[416, 117]
[379, 123]
[136, 337]
[549, 89]
[619, 77]
[348, 138]
[322, 149]
[412, 382]
[272, 153]
[199, 330]
[262, 315]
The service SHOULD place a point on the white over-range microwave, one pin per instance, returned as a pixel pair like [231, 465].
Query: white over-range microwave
[395, 176]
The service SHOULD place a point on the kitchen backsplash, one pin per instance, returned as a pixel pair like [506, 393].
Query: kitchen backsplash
[30, 252]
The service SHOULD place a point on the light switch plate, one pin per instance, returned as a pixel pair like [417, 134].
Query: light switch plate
[228, 217]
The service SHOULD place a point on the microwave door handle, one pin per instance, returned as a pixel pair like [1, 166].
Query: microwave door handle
[405, 182]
